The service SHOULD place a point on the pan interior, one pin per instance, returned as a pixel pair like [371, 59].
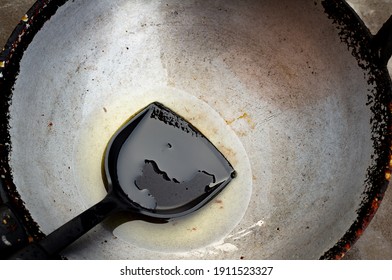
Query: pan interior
[275, 72]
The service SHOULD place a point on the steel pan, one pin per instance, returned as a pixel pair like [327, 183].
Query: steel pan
[295, 92]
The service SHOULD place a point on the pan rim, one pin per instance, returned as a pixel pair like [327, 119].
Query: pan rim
[358, 38]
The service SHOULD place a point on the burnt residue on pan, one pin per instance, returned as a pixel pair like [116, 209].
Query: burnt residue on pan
[10, 58]
[351, 31]
[372, 54]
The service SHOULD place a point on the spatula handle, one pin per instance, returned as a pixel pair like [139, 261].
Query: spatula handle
[54, 243]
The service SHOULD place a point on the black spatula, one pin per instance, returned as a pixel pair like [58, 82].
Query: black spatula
[156, 166]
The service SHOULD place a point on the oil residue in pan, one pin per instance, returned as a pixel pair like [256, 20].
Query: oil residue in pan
[195, 231]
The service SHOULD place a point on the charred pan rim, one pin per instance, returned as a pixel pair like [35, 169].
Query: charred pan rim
[352, 32]
[361, 43]
[10, 58]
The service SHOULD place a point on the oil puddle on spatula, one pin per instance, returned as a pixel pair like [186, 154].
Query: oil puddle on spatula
[157, 166]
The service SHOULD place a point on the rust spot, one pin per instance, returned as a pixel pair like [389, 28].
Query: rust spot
[25, 18]
[340, 256]
[245, 117]
[248, 119]
[359, 232]
[375, 203]
[104, 109]
[388, 174]
[244, 126]
[192, 229]
[218, 201]
[50, 124]
[229, 122]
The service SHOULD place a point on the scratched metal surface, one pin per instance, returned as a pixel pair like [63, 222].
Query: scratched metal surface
[376, 242]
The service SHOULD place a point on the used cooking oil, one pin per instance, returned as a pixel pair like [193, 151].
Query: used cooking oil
[207, 226]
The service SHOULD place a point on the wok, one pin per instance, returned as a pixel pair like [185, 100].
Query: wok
[295, 94]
